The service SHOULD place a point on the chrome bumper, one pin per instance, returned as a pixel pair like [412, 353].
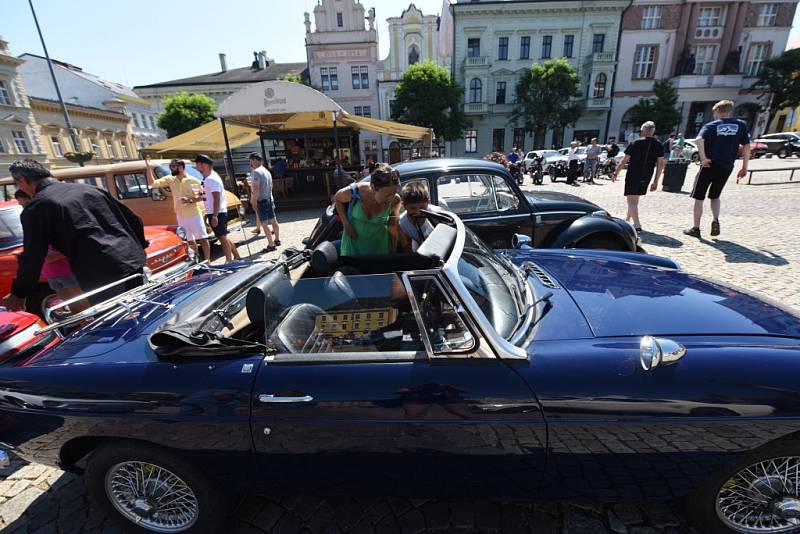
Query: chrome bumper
[5, 459]
[182, 266]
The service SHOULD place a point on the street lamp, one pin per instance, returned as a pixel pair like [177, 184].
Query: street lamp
[73, 133]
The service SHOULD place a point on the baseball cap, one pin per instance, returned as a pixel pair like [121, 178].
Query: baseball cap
[256, 155]
[202, 158]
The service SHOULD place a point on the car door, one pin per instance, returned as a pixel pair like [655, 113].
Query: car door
[490, 204]
[358, 399]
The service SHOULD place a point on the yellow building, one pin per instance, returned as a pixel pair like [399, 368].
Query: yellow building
[785, 120]
[354, 322]
[107, 134]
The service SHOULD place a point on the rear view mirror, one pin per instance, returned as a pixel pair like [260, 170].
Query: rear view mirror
[157, 195]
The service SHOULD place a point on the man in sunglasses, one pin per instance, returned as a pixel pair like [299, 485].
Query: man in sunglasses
[187, 199]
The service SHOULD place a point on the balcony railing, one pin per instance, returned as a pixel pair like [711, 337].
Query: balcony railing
[690, 81]
[476, 61]
[600, 57]
[475, 107]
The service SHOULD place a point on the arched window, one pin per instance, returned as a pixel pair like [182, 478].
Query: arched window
[600, 86]
[475, 91]
[413, 55]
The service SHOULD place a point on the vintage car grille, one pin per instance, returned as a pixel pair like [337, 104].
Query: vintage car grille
[541, 275]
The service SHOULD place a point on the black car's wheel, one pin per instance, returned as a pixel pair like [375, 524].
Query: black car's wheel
[756, 494]
[784, 152]
[552, 176]
[147, 489]
[600, 242]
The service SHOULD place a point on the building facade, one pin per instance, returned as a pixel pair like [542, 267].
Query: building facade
[413, 37]
[19, 135]
[711, 50]
[342, 54]
[495, 42]
[106, 114]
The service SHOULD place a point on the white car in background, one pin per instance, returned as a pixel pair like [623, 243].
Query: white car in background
[549, 157]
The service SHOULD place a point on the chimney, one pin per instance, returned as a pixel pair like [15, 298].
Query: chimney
[262, 60]
[223, 63]
[255, 61]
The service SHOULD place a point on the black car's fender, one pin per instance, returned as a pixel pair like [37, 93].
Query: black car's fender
[591, 226]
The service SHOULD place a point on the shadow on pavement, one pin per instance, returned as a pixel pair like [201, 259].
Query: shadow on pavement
[659, 240]
[736, 253]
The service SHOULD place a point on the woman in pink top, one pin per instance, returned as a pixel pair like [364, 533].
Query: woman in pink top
[56, 269]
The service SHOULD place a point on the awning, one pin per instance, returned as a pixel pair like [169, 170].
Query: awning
[280, 105]
[205, 139]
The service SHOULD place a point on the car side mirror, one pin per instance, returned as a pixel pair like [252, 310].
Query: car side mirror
[520, 240]
[157, 195]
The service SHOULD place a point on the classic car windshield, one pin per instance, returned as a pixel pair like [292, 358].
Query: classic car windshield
[492, 283]
[10, 228]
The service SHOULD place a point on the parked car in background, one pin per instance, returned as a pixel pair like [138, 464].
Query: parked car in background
[129, 182]
[490, 202]
[166, 253]
[452, 372]
[757, 150]
[549, 157]
[776, 142]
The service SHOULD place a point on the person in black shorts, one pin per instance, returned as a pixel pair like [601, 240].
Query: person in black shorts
[641, 156]
[717, 145]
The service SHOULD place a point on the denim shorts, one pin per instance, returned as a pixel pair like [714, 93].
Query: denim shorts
[266, 210]
[62, 282]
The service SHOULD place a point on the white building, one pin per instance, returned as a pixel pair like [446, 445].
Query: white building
[712, 50]
[342, 57]
[19, 135]
[413, 37]
[496, 41]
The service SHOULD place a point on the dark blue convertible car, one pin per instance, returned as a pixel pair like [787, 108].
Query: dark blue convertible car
[455, 370]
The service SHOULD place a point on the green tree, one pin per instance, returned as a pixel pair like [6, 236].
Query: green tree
[183, 112]
[546, 96]
[296, 78]
[427, 96]
[662, 108]
[779, 79]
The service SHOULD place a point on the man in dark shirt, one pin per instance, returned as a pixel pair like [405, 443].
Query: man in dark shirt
[717, 145]
[641, 156]
[102, 239]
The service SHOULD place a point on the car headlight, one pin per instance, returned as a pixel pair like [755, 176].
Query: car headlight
[180, 232]
[601, 213]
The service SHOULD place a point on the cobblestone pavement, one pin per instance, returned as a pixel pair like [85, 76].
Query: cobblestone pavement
[758, 250]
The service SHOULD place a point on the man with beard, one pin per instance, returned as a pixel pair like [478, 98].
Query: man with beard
[187, 196]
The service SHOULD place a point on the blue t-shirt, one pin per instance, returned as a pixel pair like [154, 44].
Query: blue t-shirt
[513, 157]
[722, 138]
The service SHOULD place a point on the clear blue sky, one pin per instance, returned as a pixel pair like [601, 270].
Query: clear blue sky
[147, 41]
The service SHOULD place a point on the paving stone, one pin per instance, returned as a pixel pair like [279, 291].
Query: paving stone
[462, 514]
[580, 523]
[321, 520]
[487, 515]
[412, 522]
[269, 516]
[660, 515]
[387, 525]
[614, 523]
[541, 523]
[289, 523]
[249, 508]
[628, 513]
[16, 506]
[437, 515]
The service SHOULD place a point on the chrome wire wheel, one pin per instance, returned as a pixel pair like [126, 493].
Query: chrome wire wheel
[151, 497]
[763, 497]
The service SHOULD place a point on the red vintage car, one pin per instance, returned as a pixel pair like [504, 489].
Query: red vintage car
[166, 251]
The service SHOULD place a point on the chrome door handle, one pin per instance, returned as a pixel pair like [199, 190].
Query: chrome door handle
[273, 398]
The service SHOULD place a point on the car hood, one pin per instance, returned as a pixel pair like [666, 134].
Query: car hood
[627, 298]
[547, 200]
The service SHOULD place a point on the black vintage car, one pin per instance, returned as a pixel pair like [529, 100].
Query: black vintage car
[489, 201]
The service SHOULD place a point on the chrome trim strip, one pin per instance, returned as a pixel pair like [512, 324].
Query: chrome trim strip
[276, 399]
[526, 324]
[563, 213]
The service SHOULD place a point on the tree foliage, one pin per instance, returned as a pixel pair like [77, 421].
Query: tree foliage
[427, 96]
[294, 78]
[662, 108]
[546, 96]
[780, 80]
[184, 112]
